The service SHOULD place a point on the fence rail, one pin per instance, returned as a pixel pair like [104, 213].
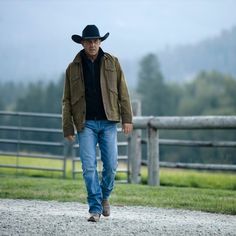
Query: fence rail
[198, 166]
[185, 122]
[172, 142]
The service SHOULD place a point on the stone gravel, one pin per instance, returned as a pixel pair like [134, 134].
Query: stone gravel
[29, 217]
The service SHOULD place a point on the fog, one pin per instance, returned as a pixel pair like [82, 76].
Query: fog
[35, 41]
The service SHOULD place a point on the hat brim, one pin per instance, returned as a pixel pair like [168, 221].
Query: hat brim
[78, 39]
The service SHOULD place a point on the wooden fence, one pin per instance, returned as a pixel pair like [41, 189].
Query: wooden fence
[133, 157]
[22, 148]
[15, 130]
[155, 124]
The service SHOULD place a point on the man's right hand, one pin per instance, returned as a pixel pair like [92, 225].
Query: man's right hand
[70, 138]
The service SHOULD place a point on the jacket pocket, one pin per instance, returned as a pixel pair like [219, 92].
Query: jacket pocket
[114, 102]
[77, 87]
[111, 79]
[76, 99]
[75, 78]
[78, 110]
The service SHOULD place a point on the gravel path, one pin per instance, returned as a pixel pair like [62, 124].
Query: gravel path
[23, 217]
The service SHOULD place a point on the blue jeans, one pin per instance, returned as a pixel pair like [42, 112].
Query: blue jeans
[103, 133]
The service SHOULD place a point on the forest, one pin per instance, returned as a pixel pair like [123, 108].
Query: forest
[209, 93]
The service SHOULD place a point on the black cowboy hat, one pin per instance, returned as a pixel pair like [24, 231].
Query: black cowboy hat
[89, 32]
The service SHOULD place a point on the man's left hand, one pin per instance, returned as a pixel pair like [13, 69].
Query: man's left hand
[127, 128]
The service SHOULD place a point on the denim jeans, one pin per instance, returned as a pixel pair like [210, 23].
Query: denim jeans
[103, 133]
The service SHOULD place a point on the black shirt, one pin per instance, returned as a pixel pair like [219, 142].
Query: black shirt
[93, 95]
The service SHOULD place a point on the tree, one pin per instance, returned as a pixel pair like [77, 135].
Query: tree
[151, 86]
[33, 99]
[157, 97]
[41, 97]
[53, 96]
[211, 93]
[10, 92]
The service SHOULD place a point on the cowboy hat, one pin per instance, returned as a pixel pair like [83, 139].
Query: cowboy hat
[89, 32]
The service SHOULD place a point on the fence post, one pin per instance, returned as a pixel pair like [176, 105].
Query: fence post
[153, 157]
[18, 141]
[68, 152]
[134, 149]
[73, 157]
[134, 157]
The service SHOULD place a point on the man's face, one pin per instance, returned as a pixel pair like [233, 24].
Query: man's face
[91, 47]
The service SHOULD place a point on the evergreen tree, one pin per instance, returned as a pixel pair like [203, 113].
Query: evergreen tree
[155, 94]
[150, 86]
[211, 93]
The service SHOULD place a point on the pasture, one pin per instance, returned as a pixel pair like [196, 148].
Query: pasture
[182, 189]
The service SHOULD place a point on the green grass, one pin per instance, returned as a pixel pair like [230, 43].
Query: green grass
[26, 161]
[209, 200]
[194, 178]
[185, 189]
[198, 179]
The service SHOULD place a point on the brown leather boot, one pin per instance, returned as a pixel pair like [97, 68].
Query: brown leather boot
[106, 208]
[94, 217]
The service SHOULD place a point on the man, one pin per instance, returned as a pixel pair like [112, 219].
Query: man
[96, 98]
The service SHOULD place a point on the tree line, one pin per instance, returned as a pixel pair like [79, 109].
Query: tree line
[209, 93]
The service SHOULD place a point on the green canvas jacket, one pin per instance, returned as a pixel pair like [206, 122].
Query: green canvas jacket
[114, 90]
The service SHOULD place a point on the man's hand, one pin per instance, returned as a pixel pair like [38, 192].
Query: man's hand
[127, 128]
[70, 138]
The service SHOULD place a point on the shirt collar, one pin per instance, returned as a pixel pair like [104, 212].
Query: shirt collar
[84, 56]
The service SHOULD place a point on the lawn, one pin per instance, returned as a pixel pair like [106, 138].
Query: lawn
[185, 189]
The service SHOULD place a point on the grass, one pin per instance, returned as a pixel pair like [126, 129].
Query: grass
[209, 200]
[26, 161]
[183, 189]
[198, 179]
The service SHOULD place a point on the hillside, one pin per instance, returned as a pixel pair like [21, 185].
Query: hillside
[184, 62]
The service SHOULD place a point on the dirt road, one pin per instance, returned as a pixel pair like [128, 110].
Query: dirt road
[23, 217]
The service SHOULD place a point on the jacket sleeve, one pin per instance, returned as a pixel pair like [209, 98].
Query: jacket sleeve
[67, 121]
[123, 96]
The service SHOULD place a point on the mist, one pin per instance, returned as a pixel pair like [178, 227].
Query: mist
[35, 42]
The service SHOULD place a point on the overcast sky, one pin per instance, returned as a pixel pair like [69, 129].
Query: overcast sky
[36, 34]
